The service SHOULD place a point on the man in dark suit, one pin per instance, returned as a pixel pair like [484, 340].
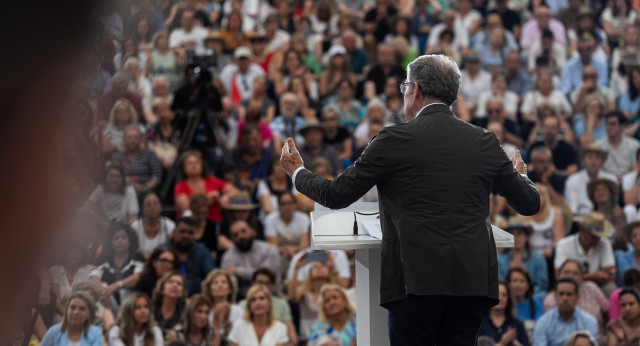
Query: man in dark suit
[434, 175]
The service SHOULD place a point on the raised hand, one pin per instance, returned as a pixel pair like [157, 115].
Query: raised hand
[290, 160]
[518, 163]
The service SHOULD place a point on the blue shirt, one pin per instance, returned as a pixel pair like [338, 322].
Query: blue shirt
[624, 260]
[580, 127]
[524, 313]
[198, 265]
[572, 74]
[287, 129]
[320, 329]
[626, 104]
[54, 337]
[536, 266]
[551, 330]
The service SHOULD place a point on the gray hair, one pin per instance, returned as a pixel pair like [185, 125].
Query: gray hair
[541, 150]
[290, 94]
[376, 102]
[130, 61]
[159, 78]
[438, 77]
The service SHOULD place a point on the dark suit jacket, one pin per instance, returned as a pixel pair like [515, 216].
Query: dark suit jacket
[434, 176]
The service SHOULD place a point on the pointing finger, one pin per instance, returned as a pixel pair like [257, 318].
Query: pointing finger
[292, 146]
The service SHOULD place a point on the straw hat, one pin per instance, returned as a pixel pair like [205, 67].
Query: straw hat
[241, 201]
[595, 223]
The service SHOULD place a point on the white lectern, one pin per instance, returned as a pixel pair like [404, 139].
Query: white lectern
[333, 230]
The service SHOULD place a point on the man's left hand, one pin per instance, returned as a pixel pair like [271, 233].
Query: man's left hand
[518, 163]
[290, 160]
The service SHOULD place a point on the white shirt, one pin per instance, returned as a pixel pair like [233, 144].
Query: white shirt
[147, 245]
[179, 36]
[509, 102]
[629, 181]
[598, 257]
[471, 89]
[236, 312]
[274, 226]
[460, 40]
[243, 333]
[575, 192]
[340, 262]
[534, 98]
[138, 339]
[244, 81]
[59, 276]
[116, 206]
[621, 159]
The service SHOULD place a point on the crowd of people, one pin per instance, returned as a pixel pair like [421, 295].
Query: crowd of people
[191, 232]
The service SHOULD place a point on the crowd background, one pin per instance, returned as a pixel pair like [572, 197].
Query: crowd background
[189, 230]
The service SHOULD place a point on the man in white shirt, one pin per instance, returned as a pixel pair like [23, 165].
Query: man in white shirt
[621, 148]
[240, 74]
[188, 36]
[591, 248]
[575, 193]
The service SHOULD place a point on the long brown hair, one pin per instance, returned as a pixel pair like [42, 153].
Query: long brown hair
[126, 321]
[91, 305]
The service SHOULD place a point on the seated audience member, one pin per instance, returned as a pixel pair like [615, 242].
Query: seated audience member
[547, 224]
[337, 135]
[572, 72]
[494, 52]
[537, 134]
[258, 320]
[168, 300]
[135, 325]
[161, 261]
[119, 266]
[575, 193]
[544, 93]
[73, 268]
[631, 189]
[349, 109]
[281, 308]
[630, 278]
[250, 159]
[289, 122]
[103, 317]
[498, 91]
[553, 135]
[336, 259]
[194, 328]
[542, 172]
[473, 79]
[259, 100]
[205, 231]
[554, 51]
[603, 193]
[195, 178]
[238, 77]
[164, 60]
[523, 255]
[498, 129]
[591, 299]
[122, 116]
[622, 149]
[220, 289]
[139, 82]
[163, 136]
[532, 29]
[336, 317]
[380, 72]
[393, 100]
[629, 102]
[247, 255]
[557, 324]
[306, 293]
[119, 90]
[276, 183]
[241, 207]
[460, 43]
[141, 166]
[161, 93]
[152, 229]
[322, 167]
[518, 79]
[194, 258]
[287, 229]
[626, 328]
[113, 200]
[589, 86]
[591, 247]
[315, 147]
[500, 324]
[626, 260]
[252, 117]
[580, 338]
[77, 325]
[338, 70]
[528, 308]
[589, 126]
[496, 112]
[376, 112]
[187, 36]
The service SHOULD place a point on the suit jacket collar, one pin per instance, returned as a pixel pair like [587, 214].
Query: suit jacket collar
[434, 108]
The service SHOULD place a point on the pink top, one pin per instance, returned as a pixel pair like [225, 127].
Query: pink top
[531, 33]
[265, 132]
[614, 304]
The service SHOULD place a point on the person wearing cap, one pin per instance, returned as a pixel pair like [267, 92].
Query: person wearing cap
[473, 79]
[314, 146]
[572, 72]
[603, 193]
[238, 77]
[434, 266]
[575, 193]
[620, 147]
[591, 247]
[532, 29]
[188, 35]
[627, 259]
[522, 255]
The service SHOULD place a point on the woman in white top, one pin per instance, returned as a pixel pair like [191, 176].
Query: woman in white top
[221, 291]
[547, 224]
[544, 92]
[498, 91]
[73, 269]
[259, 326]
[152, 229]
[135, 326]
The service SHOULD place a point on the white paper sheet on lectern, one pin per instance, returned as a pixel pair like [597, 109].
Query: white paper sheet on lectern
[373, 228]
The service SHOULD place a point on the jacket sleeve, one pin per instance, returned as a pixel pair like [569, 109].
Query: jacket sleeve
[520, 192]
[373, 166]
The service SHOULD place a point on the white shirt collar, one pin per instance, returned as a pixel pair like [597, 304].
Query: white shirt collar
[430, 104]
